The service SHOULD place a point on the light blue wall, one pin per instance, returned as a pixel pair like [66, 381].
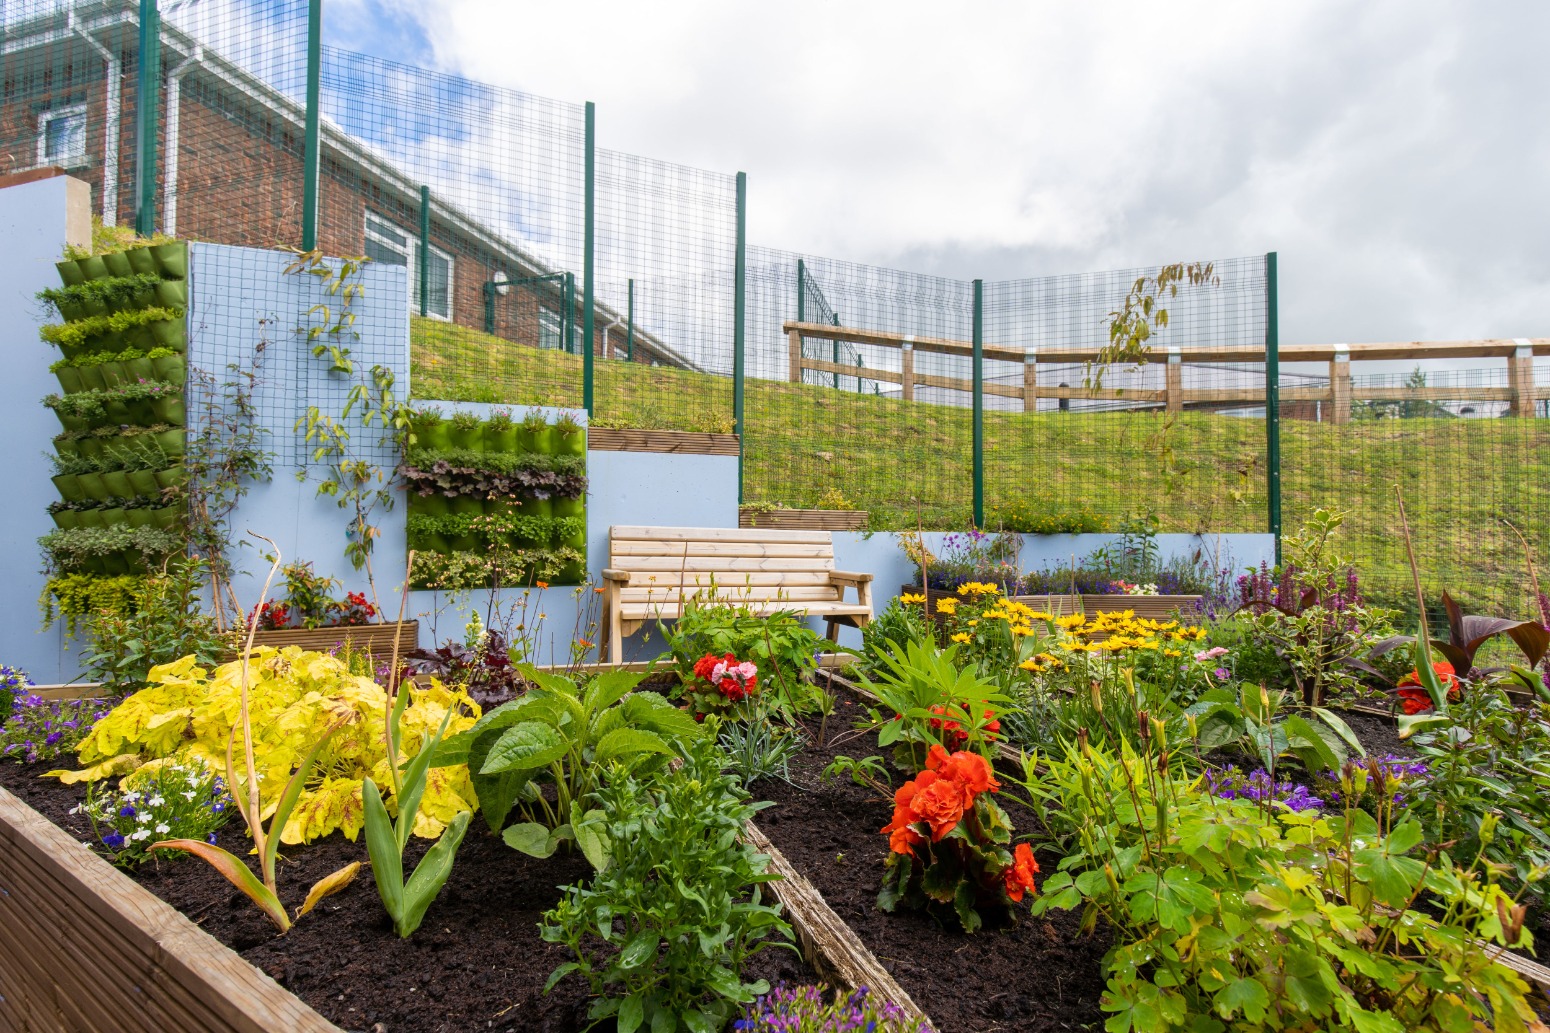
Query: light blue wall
[241, 299]
[32, 227]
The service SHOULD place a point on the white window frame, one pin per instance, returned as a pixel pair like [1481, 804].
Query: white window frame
[412, 265]
[71, 161]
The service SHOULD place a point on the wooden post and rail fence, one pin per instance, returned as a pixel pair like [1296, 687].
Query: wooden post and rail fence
[1520, 394]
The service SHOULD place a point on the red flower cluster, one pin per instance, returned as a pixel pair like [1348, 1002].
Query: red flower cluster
[1414, 697]
[732, 679]
[937, 797]
[956, 737]
[355, 609]
[272, 616]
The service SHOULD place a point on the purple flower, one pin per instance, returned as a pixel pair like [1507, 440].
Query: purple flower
[210, 838]
[113, 841]
[1222, 674]
[126, 811]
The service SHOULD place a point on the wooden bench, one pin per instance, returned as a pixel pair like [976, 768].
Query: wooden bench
[653, 572]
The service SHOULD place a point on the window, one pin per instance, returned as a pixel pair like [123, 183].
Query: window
[390, 245]
[62, 137]
[551, 329]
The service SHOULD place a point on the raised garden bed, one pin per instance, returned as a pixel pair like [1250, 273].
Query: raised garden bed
[604, 439]
[803, 519]
[375, 639]
[476, 963]
[1151, 607]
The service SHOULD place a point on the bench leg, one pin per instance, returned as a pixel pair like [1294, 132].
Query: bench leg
[834, 630]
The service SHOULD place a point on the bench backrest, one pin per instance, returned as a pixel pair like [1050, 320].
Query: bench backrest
[759, 566]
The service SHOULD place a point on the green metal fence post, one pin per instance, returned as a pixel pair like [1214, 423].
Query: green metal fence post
[311, 150]
[801, 291]
[979, 403]
[147, 116]
[586, 261]
[568, 326]
[629, 326]
[739, 284]
[1273, 401]
[425, 250]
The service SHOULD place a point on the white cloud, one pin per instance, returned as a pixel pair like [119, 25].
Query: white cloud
[1391, 152]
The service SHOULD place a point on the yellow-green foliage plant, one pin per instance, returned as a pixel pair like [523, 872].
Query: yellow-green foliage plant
[294, 698]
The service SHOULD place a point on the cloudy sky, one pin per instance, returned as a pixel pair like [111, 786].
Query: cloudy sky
[1394, 154]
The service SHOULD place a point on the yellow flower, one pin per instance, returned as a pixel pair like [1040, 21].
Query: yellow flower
[1070, 621]
[1171, 652]
[909, 598]
[947, 606]
[974, 624]
[963, 637]
[978, 588]
[1032, 666]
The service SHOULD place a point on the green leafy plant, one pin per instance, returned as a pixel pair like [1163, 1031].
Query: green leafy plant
[308, 594]
[759, 748]
[74, 598]
[407, 902]
[1257, 722]
[890, 631]
[663, 932]
[928, 700]
[80, 333]
[68, 548]
[168, 621]
[560, 735]
[1230, 916]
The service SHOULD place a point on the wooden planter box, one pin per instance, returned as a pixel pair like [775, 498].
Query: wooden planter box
[83, 948]
[803, 519]
[602, 439]
[1151, 607]
[376, 639]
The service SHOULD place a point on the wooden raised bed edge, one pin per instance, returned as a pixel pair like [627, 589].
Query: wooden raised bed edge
[604, 439]
[827, 943]
[84, 948]
[376, 639]
[803, 519]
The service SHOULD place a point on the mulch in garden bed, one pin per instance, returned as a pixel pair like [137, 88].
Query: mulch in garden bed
[1040, 974]
[477, 962]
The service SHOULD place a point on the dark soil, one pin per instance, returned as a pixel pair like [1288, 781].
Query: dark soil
[476, 963]
[1039, 974]
[1378, 735]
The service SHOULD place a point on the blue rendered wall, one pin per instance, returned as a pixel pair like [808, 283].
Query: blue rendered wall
[33, 227]
[241, 301]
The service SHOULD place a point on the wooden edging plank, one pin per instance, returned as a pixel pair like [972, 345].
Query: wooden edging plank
[829, 945]
[605, 439]
[170, 973]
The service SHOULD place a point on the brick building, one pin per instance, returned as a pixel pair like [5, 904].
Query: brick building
[230, 165]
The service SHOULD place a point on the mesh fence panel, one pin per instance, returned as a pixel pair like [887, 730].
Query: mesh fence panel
[1184, 441]
[1465, 463]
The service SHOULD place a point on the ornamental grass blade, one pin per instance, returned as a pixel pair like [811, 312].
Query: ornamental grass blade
[387, 864]
[413, 785]
[236, 873]
[328, 886]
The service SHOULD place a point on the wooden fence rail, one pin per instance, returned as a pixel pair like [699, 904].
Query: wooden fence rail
[1520, 394]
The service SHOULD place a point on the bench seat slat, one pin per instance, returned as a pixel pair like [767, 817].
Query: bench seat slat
[718, 534]
[729, 565]
[627, 552]
[730, 594]
[649, 611]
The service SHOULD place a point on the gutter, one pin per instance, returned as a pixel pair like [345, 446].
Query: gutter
[170, 162]
[113, 101]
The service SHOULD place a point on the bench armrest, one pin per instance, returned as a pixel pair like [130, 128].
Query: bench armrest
[862, 583]
[612, 574]
[849, 578]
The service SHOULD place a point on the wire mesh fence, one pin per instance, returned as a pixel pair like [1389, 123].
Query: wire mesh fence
[480, 192]
[1470, 468]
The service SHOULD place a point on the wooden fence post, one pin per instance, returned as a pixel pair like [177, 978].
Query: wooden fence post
[795, 372]
[1174, 384]
[1340, 385]
[1520, 378]
[907, 370]
[1031, 381]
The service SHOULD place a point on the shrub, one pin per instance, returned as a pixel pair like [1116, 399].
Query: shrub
[167, 622]
[656, 953]
[296, 699]
[780, 644]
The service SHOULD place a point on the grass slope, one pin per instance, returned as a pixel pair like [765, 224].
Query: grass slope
[1198, 472]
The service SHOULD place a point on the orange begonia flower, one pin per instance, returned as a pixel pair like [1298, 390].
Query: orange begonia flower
[1019, 874]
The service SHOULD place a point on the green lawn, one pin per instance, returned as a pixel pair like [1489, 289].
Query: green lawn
[903, 461]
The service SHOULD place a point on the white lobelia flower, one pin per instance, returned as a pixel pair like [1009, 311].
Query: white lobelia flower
[140, 834]
[156, 801]
[190, 795]
[163, 828]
